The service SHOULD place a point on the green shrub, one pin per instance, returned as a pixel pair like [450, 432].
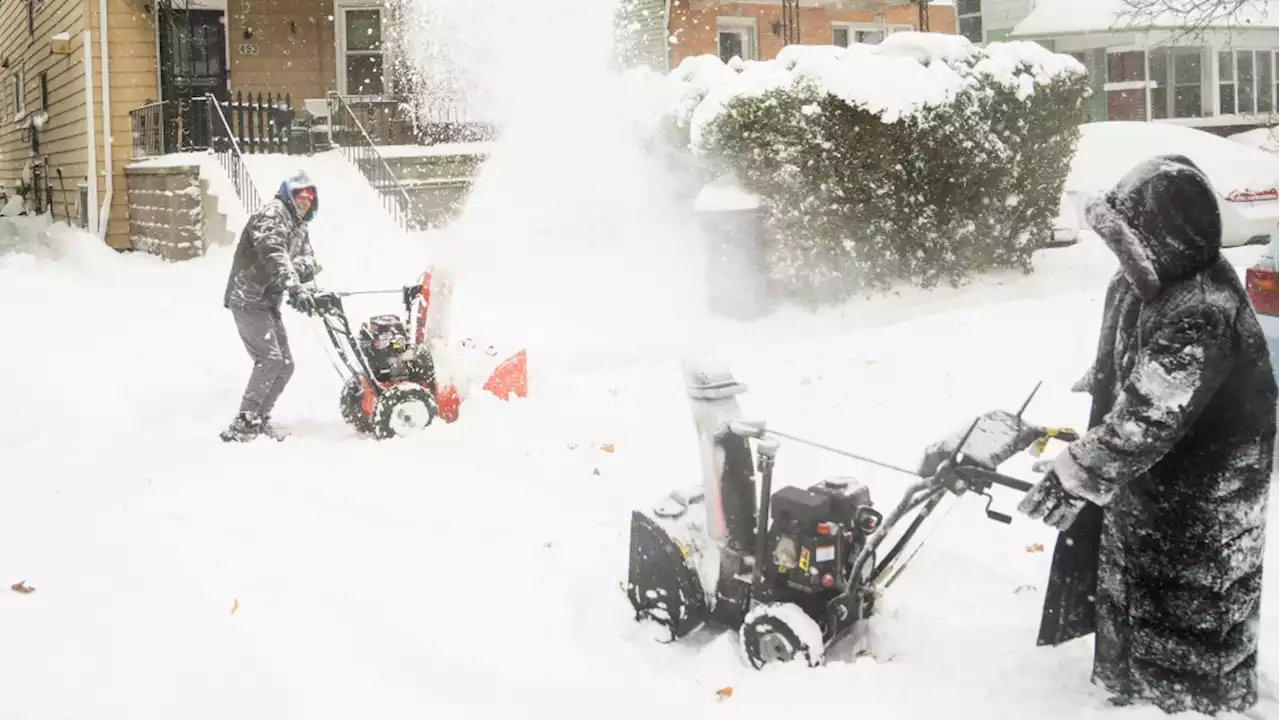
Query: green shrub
[859, 193]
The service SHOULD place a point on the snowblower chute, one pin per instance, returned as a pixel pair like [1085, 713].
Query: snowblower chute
[795, 574]
[462, 362]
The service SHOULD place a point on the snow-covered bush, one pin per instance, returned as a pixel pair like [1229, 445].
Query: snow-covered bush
[923, 158]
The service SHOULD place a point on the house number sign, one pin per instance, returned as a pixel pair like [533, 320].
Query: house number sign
[248, 48]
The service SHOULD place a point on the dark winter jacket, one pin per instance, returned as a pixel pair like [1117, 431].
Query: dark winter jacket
[274, 251]
[1165, 563]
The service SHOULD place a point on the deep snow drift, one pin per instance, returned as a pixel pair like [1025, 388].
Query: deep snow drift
[474, 571]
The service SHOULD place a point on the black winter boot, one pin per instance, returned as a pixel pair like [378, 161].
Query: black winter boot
[270, 430]
[244, 428]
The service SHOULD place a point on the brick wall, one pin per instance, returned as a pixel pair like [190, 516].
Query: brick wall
[693, 23]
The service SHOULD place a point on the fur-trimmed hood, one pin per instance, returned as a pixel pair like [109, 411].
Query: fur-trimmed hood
[1162, 222]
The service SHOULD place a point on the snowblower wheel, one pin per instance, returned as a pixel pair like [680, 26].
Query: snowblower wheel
[781, 632]
[351, 400]
[402, 410]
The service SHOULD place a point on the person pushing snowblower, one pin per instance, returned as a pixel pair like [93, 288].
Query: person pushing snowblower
[1162, 504]
[273, 259]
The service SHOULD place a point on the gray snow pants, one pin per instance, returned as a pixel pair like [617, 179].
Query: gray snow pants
[264, 337]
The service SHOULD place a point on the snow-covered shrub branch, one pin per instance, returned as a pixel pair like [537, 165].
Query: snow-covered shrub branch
[924, 158]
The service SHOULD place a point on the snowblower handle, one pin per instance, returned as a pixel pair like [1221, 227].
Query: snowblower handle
[976, 477]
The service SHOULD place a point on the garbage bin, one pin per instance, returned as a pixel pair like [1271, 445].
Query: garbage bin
[299, 139]
[732, 221]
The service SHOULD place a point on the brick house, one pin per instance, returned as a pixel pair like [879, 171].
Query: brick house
[662, 33]
[159, 55]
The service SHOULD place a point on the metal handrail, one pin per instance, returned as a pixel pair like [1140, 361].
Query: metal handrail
[232, 161]
[371, 163]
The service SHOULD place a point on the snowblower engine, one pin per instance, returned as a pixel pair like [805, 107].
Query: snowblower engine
[815, 535]
[385, 343]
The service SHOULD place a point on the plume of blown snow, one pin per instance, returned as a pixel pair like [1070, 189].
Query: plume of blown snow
[577, 230]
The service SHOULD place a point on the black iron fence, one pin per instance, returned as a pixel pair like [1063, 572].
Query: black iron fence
[226, 146]
[148, 130]
[269, 123]
[414, 120]
[259, 124]
[359, 148]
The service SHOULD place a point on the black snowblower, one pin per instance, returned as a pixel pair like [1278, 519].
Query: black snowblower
[795, 570]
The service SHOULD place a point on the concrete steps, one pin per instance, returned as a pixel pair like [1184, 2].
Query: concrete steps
[216, 229]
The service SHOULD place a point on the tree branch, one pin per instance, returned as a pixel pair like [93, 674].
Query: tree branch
[1193, 17]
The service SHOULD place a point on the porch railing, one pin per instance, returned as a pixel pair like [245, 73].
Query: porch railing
[226, 147]
[416, 120]
[259, 125]
[356, 145]
[148, 130]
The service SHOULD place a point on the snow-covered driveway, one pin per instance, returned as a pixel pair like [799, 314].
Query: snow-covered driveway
[474, 571]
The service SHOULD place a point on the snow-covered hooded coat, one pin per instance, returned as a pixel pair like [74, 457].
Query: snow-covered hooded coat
[274, 251]
[1165, 562]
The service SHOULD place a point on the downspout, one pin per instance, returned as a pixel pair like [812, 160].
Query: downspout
[105, 214]
[666, 36]
[91, 146]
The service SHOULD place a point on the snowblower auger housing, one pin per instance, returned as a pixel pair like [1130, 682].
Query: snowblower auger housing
[794, 570]
[390, 390]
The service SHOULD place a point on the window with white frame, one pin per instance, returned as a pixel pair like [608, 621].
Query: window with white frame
[1126, 86]
[1177, 82]
[969, 19]
[736, 37]
[1247, 82]
[18, 90]
[362, 63]
[843, 34]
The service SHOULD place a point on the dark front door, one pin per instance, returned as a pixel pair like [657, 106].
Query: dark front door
[193, 64]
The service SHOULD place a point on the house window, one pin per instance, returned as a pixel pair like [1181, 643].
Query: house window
[1176, 83]
[18, 89]
[736, 38]
[842, 34]
[1247, 82]
[363, 51]
[969, 19]
[1126, 85]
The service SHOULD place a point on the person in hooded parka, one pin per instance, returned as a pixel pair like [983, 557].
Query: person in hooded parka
[1162, 503]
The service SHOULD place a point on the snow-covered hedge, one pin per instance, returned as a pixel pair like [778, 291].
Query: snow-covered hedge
[923, 158]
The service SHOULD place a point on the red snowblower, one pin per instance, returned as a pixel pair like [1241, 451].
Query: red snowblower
[402, 373]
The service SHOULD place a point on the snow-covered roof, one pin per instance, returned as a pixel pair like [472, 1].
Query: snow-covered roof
[1068, 17]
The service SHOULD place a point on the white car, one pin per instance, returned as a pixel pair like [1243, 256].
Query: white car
[1245, 178]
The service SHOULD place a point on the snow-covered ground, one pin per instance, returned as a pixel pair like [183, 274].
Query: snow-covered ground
[474, 571]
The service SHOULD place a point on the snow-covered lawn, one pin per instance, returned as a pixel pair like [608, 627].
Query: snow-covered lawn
[474, 571]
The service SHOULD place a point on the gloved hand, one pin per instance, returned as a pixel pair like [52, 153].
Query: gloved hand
[302, 299]
[325, 302]
[1049, 500]
[307, 270]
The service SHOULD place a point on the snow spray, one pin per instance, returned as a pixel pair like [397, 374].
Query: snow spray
[572, 236]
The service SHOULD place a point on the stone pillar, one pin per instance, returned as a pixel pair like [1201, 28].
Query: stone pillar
[166, 216]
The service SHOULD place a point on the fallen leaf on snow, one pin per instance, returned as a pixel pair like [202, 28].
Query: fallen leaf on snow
[235, 605]
[724, 692]
[22, 587]
[607, 447]
[1035, 548]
